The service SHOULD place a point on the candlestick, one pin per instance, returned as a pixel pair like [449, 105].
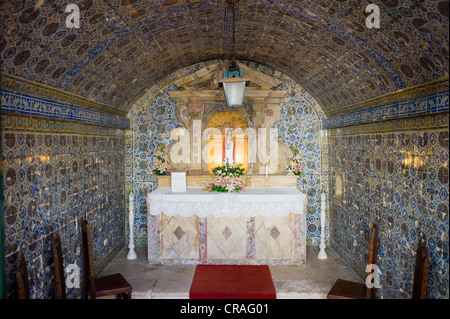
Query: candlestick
[267, 172]
[322, 253]
[131, 252]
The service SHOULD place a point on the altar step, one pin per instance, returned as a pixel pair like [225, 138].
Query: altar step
[312, 280]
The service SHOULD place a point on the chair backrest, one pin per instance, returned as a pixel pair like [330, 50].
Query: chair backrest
[373, 244]
[23, 285]
[88, 256]
[372, 260]
[59, 269]
[422, 268]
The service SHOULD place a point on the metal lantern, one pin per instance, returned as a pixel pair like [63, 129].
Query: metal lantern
[234, 85]
[233, 78]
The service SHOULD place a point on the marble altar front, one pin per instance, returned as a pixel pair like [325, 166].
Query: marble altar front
[264, 225]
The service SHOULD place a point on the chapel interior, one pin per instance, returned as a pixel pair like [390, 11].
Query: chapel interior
[91, 92]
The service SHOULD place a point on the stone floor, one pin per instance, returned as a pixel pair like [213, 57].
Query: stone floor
[312, 280]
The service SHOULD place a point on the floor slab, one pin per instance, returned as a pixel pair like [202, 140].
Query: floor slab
[311, 280]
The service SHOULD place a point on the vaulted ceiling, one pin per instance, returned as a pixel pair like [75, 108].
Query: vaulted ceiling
[125, 46]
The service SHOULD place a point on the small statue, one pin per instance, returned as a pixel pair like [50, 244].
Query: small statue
[228, 157]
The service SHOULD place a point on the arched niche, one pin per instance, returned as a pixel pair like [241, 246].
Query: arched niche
[215, 142]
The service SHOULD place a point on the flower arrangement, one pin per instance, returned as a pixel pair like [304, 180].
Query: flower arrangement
[161, 166]
[225, 184]
[295, 166]
[226, 170]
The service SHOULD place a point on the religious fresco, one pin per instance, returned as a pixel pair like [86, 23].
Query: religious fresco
[123, 47]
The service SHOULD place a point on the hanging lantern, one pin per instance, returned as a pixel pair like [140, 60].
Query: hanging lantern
[234, 85]
[233, 78]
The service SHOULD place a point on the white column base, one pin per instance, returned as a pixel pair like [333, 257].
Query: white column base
[322, 254]
[131, 254]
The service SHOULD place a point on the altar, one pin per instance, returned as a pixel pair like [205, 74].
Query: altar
[263, 225]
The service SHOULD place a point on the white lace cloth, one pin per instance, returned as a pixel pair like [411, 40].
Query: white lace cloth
[265, 201]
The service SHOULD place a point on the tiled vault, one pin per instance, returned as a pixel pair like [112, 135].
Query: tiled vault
[125, 46]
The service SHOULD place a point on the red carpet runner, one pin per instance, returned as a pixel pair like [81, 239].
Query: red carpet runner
[232, 282]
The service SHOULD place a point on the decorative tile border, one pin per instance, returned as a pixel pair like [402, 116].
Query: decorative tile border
[35, 124]
[23, 104]
[18, 84]
[431, 104]
[428, 122]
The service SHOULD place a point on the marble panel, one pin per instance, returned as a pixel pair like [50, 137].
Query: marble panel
[226, 237]
[179, 237]
[274, 237]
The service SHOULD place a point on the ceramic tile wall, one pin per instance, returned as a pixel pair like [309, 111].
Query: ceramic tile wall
[396, 173]
[54, 173]
[152, 118]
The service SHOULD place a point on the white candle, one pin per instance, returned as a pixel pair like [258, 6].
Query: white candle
[267, 171]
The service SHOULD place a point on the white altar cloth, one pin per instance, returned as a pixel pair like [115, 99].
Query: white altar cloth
[264, 201]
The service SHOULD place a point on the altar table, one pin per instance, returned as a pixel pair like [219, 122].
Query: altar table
[265, 201]
[263, 225]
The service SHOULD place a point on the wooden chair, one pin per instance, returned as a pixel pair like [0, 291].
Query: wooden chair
[344, 289]
[23, 285]
[59, 269]
[114, 284]
[423, 262]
